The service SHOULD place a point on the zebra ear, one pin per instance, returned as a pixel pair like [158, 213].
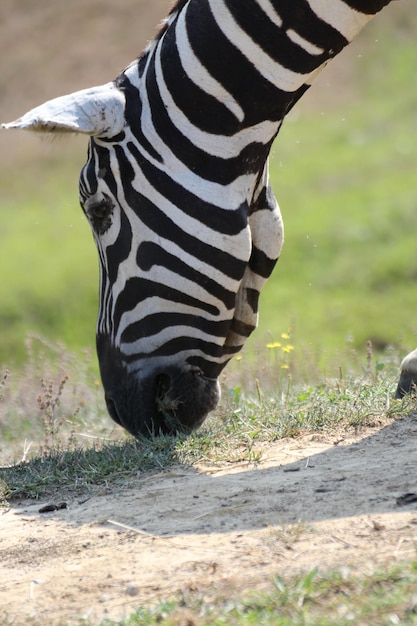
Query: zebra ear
[97, 111]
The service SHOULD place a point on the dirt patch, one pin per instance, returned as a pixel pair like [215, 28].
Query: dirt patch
[317, 501]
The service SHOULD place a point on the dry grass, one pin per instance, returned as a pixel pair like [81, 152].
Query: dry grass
[55, 400]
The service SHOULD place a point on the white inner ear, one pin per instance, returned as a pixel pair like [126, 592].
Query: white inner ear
[95, 111]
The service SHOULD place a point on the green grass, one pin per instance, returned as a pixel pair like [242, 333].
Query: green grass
[344, 181]
[48, 262]
[383, 598]
[235, 435]
[79, 469]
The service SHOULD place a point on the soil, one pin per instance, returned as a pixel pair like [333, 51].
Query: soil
[319, 500]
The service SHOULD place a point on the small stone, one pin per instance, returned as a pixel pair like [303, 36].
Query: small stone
[132, 589]
[105, 597]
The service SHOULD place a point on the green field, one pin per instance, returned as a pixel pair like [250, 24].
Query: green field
[343, 170]
[345, 183]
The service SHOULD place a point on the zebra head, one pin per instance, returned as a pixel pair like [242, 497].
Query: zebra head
[177, 294]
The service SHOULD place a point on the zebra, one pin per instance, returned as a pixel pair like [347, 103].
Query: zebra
[177, 192]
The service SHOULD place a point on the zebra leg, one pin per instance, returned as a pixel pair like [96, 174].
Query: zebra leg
[408, 375]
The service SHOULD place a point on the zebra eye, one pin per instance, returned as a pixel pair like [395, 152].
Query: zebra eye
[100, 215]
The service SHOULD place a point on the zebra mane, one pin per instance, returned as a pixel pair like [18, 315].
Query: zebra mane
[176, 8]
[163, 26]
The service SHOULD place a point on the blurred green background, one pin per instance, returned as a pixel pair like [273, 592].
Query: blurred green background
[343, 169]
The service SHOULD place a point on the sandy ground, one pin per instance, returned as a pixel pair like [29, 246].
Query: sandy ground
[316, 501]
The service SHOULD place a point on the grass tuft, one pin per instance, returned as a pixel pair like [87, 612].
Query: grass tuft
[81, 469]
[385, 597]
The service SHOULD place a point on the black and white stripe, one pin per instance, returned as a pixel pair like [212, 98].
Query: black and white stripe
[198, 223]
[177, 192]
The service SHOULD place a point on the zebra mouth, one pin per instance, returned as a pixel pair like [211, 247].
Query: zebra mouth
[183, 400]
[167, 404]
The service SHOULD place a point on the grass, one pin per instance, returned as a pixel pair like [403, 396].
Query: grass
[343, 180]
[56, 390]
[57, 432]
[48, 262]
[82, 468]
[385, 597]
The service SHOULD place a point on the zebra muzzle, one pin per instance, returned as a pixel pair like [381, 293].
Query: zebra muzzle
[183, 399]
[175, 401]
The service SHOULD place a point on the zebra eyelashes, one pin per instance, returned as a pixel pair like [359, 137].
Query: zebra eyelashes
[100, 213]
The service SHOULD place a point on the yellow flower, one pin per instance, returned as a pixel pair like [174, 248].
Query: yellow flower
[285, 366]
[274, 344]
[239, 357]
[285, 336]
[288, 348]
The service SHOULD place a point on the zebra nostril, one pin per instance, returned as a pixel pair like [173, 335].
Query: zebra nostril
[162, 384]
[165, 404]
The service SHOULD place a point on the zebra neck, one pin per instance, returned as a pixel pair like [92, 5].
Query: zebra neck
[228, 64]
[220, 78]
